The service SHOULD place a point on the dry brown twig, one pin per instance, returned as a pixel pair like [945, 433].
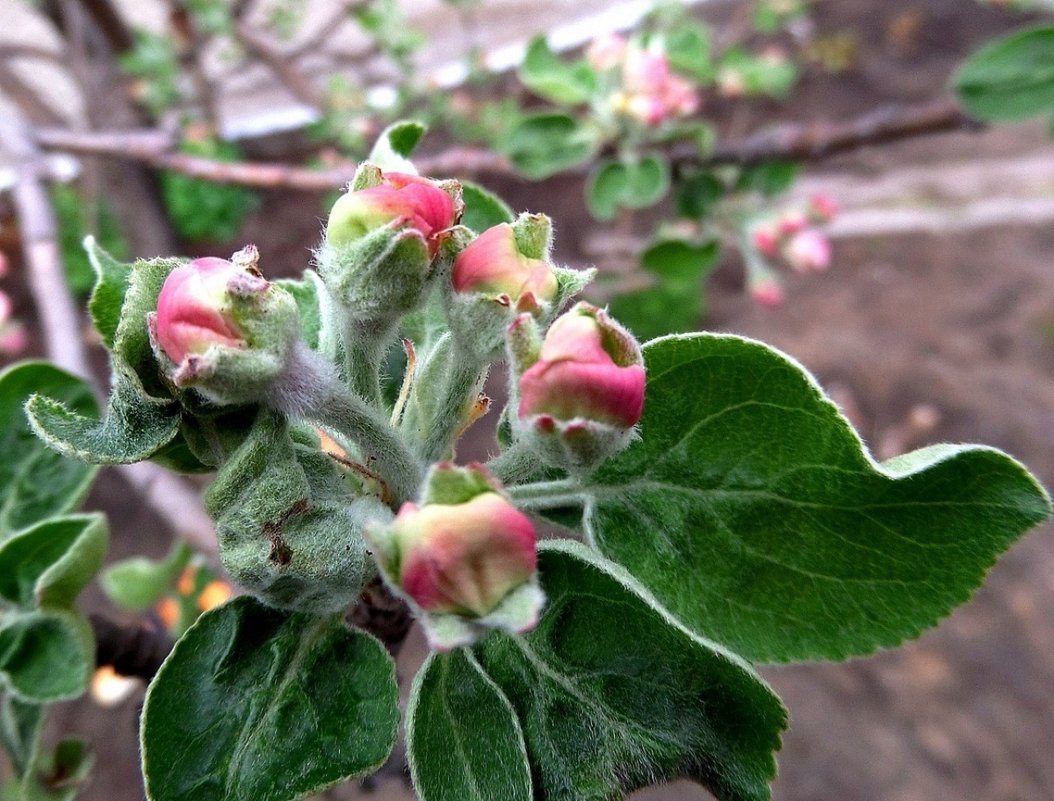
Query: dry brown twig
[810, 142]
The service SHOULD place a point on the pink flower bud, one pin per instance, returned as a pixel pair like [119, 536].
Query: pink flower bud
[606, 52]
[808, 251]
[766, 239]
[823, 208]
[649, 109]
[13, 338]
[405, 200]
[6, 307]
[792, 222]
[680, 97]
[492, 264]
[767, 292]
[464, 558]
[589, 367]
[645, 71]
[190, 309]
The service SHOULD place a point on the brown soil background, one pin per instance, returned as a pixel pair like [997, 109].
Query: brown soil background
[960, 323]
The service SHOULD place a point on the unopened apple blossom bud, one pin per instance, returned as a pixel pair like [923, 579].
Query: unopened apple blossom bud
[765, 238]
[808, 251]
[791, 222]
[606, 51]
[823, 208]
[383, 238]
[579, 402]
[767, 292]
[464, 557]
[221, 328]
[400, 201]
[494, 265]
[645, 70]
[500, 274]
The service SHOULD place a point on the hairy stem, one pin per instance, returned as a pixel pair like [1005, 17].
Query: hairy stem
[548, 494]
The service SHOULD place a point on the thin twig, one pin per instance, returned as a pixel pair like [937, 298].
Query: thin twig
[811, 142]
[8, 51]
[193, 44]
[259, 45]
[322, 34]
[819, 140]
[27, 98]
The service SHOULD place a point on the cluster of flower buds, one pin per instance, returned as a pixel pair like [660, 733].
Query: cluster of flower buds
[222, 329]
[649, 90]
[13, 339]
[580, 390]
[792, 237]
[464, 557]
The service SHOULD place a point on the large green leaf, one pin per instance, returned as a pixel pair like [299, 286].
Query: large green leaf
[36, 482]
[50, 563]
[45, 655]
[111, 282]
[134, 427]
[1010, 79]
[612, 694]
[545, 144]
[752, 511]
[254, 704]
[567, 83]
[20, 726]
[463, 739]
[631, 184]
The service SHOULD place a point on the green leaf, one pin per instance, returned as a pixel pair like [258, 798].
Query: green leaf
[630, 184]
[131, 348]
[50, 563]
[59, 775]
[393, 147]
[688, 49]
[659, 310]
[770, 178]
[752, 511]
[545, 144]
[306, 294]
[36, 482]
[681, 261]
[20, 726]
[463, 739]
[605, 187]
[697, 193]
[111, 282]
[1010, 79]
[138, 583]
[568, 83]
[254, 704]
[614, 695]
[483, 209]
[46, 655]
[133, 428]
[289, 520]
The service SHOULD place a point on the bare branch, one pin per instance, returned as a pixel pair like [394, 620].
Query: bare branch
[11, 51]
[819, 140]
[260, 46]
[331, 25]
[192, 46]
[156, 149]
[109, 21]
[27, 98]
